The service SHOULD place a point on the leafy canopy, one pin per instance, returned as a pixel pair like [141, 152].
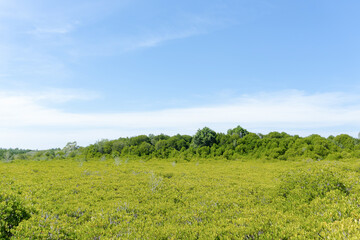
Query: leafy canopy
[242, 132]
[204, 137]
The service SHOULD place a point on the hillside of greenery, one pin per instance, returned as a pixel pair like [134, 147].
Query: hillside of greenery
[237, 143]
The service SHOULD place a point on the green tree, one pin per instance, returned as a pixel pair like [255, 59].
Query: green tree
[204, 137]
[70, 146]
[241, 132]
[70, 149]
[145, 148]
[118, 145]
[345, 141]
[136, 141]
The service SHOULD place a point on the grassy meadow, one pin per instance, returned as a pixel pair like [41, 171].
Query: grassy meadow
[122, 199]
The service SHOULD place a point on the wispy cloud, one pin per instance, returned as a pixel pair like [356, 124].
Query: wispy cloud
[292, 111]
[185, 26]
[119, 45]
[57, 30]
[156, 39]
[49, 95]
[41, 41]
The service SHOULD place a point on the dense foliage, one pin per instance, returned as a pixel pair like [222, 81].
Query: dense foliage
[238, 143]
[204, 138]
[9, 154]
[120, 199]
[12, 212]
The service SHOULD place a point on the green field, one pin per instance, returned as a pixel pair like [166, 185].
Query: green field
[134, 199]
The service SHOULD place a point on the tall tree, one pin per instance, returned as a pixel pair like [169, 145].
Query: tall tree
[242, 132]
[204, 137]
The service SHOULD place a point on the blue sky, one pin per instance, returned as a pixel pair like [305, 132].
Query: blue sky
[87, 70]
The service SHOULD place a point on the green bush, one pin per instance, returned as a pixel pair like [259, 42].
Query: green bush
[306, 185]
[12, 212]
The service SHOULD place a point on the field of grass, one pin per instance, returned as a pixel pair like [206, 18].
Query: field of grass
[124, 199]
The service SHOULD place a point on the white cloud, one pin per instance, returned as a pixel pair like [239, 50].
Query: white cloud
[56, 95]
[65, 29]
[37, 126]
[157, 39]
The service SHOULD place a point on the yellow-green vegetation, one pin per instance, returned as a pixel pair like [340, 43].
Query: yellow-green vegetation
[124, 199]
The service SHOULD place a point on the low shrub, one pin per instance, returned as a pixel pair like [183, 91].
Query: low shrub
[12, 212]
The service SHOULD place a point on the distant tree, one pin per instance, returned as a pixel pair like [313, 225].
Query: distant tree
[136, 141]
[154, 139]
[103, 146]
[70, 146]
[118, 145]
[276, 135]
[345, 141]
[8, 157]
[179, 141]
[204, 137]
[241, 132]
[144, 148]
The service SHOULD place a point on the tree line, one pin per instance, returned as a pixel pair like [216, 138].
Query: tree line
[237, 143]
